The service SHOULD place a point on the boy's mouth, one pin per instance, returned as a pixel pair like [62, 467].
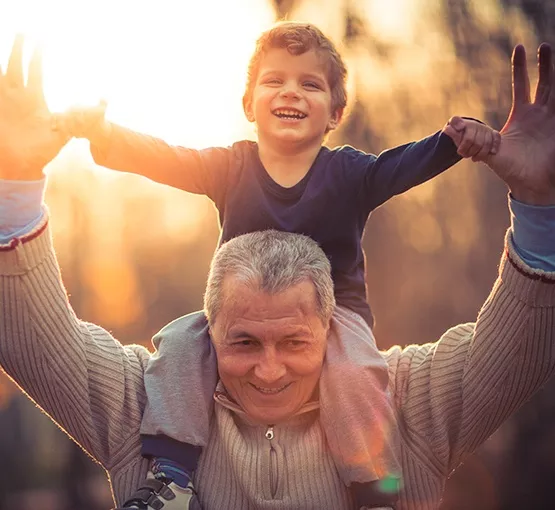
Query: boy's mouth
[289, 114]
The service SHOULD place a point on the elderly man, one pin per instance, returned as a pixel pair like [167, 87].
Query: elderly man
[269, 300]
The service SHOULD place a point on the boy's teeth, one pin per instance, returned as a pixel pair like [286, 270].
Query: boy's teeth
[290, 114]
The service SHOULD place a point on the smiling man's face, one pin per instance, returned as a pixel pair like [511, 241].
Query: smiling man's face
[270, 348]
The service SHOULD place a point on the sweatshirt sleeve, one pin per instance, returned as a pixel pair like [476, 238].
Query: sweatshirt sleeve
[202, 172]
[20, 207]
[533, 233]
[453, 394]
[399, 169]
[85, 380]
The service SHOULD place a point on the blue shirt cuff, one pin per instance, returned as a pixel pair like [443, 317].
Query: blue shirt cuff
[20, 207]
[534, 233]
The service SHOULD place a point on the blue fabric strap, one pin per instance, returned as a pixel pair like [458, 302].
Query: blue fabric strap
[171, 470]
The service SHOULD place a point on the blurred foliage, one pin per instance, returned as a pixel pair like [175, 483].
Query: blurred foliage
[133, 259]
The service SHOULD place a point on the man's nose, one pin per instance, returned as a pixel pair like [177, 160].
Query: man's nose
[270, 368]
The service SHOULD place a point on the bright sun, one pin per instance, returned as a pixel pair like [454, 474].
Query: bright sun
[174, 69]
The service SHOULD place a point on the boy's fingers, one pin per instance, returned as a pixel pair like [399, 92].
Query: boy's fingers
[457, 123]
[81, 121]
[452, 133]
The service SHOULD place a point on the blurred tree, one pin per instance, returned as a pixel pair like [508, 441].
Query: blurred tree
[448, 57]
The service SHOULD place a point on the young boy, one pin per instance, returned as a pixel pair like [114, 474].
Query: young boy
[287, 180]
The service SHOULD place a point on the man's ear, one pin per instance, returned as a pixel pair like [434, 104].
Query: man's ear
[247, 108]
[335, 119]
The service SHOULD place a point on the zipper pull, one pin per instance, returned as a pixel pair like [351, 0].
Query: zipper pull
[270, 433]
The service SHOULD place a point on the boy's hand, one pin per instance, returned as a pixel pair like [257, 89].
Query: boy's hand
[472, 138]
[85, 122]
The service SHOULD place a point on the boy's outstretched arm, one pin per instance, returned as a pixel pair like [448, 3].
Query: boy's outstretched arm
[119, 148]
[473, 139]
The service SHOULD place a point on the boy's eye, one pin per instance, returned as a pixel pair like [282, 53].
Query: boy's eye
[272, 81]
[311, 84]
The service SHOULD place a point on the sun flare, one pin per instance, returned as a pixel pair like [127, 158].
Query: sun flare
[172, 69]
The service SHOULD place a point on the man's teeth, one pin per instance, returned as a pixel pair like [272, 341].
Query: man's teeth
[270, 391]
[289, 114]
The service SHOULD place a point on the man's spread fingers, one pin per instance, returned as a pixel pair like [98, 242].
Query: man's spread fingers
[14, 72]
[547, 52]
[34, 80]
[521, 81]
[545, 74]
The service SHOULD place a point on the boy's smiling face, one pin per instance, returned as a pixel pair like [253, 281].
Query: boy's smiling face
[291, 101]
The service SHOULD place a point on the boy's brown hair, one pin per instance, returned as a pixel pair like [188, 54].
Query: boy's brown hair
[299, 38]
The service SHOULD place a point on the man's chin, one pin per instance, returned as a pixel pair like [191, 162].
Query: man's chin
[269, 418]
[269, 414]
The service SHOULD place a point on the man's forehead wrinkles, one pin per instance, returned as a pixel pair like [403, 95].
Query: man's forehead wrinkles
[284, 326]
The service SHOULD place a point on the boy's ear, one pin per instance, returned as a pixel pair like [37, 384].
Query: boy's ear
[247, 108]
[335, 119]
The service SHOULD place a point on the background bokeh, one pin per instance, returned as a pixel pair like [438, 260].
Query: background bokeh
[135, 255]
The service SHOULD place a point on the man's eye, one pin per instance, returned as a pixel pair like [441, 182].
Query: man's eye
[295, 344]
[244, 343]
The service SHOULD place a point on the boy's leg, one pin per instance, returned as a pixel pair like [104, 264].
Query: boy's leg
[361, 432]
[180, 380]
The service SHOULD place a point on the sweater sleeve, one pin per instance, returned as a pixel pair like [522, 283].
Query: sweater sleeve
[399, 169]
[202, 172]
[453, 394]
[76, 372]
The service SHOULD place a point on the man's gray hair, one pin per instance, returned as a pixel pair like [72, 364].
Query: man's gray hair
[273, 262]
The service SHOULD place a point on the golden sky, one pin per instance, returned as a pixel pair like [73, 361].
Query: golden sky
[175, 69]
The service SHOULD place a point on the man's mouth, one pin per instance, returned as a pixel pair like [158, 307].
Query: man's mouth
[270, 391]
[289, 114]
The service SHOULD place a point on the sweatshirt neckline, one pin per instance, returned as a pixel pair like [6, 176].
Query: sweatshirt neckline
[276, 189]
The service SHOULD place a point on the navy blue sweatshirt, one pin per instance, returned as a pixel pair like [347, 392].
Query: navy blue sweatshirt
[331, 204]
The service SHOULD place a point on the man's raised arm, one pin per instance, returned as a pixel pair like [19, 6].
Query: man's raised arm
[454, 393]
[85, 380]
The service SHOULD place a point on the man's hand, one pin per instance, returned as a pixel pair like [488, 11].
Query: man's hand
[472, 138]
[28, 141]
[526, 157]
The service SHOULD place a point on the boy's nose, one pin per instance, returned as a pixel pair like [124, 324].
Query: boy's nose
[290, 92]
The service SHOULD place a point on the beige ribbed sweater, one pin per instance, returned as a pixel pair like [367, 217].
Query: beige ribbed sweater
[450, 395]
